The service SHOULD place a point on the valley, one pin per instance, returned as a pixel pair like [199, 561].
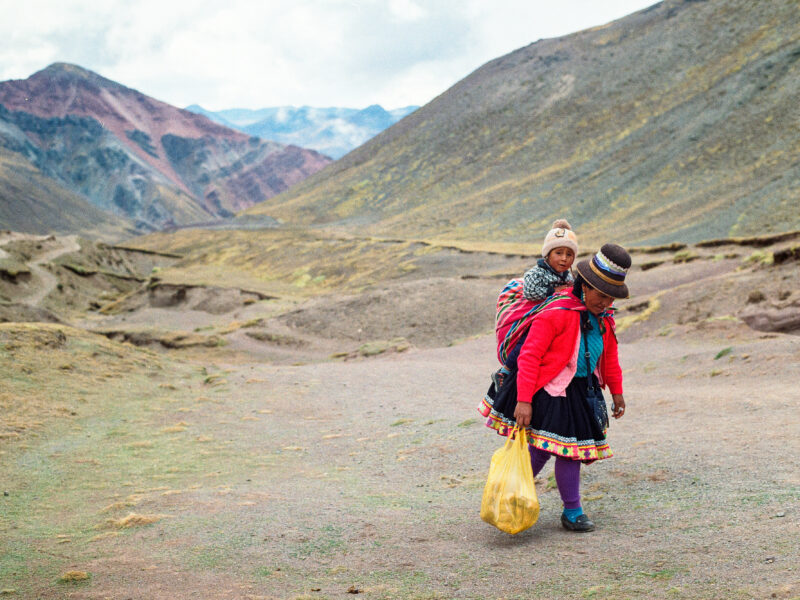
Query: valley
[234, 368]
[200, 423]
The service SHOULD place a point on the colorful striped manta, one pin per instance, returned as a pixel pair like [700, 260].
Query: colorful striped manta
[515, 312]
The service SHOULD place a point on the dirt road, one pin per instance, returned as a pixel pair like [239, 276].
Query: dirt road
[44, 281]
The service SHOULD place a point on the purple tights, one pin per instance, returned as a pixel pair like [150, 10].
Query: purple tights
[568, 476]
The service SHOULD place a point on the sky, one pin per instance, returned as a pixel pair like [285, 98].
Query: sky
[253, 54]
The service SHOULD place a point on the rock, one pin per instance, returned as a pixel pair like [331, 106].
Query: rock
[168, 339]
[785, 319]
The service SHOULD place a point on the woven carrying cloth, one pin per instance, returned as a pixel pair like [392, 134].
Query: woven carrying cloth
[514, 313]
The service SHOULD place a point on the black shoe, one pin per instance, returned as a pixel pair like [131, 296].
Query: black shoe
[582, 523]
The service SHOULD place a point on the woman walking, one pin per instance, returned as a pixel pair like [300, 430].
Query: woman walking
[569, 353]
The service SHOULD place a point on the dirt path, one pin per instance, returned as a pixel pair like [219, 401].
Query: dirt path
[46, 280]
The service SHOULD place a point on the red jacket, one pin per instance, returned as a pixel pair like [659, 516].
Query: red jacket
[551, 344]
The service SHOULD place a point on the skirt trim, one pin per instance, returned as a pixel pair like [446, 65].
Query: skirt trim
[571, 448]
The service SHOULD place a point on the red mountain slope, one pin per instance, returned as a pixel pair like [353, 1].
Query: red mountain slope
[137, 156]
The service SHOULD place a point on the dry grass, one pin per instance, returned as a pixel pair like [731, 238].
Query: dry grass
[141, 444]
[74, 577]
[133, 520]
[104, 536]
[177, 428]
[131, 500]
[37, 390]
[653, 304]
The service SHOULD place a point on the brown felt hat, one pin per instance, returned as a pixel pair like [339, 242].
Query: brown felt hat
[606, 270]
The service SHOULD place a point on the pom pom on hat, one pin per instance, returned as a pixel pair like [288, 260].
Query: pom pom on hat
[560, 236]
[561, 224]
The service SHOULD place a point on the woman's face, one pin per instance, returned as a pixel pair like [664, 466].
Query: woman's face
[596, 301]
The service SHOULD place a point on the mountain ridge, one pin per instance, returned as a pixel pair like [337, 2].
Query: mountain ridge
[674, 123]
[333, 131]
[138, 157]
[30, 196]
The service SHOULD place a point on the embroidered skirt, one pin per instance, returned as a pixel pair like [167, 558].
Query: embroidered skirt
[561, 425]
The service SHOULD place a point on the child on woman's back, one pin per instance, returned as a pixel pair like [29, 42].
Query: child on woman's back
[551, 273]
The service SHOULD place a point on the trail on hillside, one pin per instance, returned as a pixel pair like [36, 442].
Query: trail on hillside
[67, 244]
[46, 280]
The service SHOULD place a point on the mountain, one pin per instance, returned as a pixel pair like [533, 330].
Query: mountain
[331, 131]
[32, 202]
[678, 122]
[135, 156]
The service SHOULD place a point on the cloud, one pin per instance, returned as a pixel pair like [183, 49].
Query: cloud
[244, 53]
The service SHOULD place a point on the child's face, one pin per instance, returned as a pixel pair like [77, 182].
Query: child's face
[561, 259]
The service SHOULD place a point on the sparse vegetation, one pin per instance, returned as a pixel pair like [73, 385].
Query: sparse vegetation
[380, 347]
[134, 520]
[671, 248]
[684, 256]
[74, 577]
[653, 304]
[12, 269]
[723, 352]
[275, 338]
[651, 264]
[786, 255]
[760, 257]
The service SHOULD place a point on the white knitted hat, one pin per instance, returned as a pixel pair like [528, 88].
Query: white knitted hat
[560, 236]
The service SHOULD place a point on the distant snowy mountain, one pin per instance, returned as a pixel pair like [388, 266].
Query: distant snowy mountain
[331, 131]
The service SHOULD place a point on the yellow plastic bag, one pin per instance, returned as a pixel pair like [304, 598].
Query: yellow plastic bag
[509, 497]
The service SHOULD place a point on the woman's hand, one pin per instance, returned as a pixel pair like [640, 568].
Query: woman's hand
[619, 405]
[523, 413]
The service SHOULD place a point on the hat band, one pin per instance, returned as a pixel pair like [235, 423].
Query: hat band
[608, 265]
[603, 276]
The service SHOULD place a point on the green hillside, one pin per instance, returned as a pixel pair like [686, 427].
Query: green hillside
[679, 122]
[33, 203]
